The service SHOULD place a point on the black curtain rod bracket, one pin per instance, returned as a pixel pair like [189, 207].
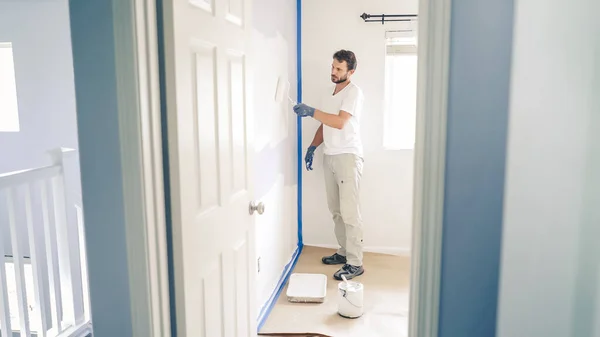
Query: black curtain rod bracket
[383, 18]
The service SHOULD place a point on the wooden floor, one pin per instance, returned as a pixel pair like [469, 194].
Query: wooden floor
[386, 284]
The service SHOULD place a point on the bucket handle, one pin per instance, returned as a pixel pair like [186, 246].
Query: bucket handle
[345, 295]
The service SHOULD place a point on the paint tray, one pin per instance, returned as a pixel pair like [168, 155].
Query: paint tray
[307, 288]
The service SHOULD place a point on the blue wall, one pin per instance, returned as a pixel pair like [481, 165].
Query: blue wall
[96, 94]
[481, 43]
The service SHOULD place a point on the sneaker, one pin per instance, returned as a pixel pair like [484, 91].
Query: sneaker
[334, 259]
[349, 271]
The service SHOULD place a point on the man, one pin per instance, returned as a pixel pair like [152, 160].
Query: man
[339, 115]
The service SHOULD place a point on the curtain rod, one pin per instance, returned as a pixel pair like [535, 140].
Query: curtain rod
[383, 18]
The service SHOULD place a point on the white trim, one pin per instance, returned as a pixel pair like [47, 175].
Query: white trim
[83, 330]
[430, 154]
[136, 56]
[400, 251]
[269, 304]
[401, 49]
[160, 230]
[153, 166]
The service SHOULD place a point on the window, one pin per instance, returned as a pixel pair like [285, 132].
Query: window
[9, 111]
[400, 108]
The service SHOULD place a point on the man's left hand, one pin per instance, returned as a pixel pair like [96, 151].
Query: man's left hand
[308, 159]
[303, 110]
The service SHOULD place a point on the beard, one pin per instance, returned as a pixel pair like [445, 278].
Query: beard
[339, 80]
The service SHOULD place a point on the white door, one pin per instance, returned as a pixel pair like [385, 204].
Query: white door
[210, 154]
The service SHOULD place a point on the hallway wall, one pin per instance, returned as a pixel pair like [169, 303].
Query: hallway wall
[98, 119]
[478, 97]
[550, 272]
[274, 43]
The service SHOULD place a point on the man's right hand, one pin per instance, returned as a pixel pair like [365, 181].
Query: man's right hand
[308, 159]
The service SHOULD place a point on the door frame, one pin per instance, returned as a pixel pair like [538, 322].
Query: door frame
[139, 109]
[137, 59]
[430, 166]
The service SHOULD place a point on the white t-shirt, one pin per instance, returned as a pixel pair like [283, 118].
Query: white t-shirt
[346, 140]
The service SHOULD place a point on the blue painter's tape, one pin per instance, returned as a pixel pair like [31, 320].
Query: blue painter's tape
[287, 271]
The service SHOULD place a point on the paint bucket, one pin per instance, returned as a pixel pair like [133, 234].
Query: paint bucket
[350, 299]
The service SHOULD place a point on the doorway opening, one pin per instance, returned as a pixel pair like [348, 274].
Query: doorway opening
[232, 145]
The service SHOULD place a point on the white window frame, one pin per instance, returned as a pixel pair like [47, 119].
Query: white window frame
[9, 106]
[399, 43]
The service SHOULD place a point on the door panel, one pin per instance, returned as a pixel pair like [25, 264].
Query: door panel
[235, 13]
[237, 119]
[208, 76]
[205, 117]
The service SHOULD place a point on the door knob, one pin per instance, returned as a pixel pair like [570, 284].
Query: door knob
[260, 207]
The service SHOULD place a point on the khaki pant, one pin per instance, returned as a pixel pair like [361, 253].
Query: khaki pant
[342, 182]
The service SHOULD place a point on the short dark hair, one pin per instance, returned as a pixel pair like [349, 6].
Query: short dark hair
[348, 56]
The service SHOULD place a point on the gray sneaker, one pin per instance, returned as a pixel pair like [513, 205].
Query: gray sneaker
[349, 271]
[334, 259]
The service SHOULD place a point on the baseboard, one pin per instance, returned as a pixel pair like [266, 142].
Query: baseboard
[287, 271]
[83, 330]
[372, 249]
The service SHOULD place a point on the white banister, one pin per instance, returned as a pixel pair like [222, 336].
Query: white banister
[60, 231]
[73, 309]
[83, 261]
[5, 324]
[25, 176]
[53, 275]
[63, 244]
[36, 264]
[18, 263]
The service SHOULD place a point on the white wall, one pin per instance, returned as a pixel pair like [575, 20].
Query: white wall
[274, 43]
[328, 26]
[550, 271]
[45, 90]
[41, 40]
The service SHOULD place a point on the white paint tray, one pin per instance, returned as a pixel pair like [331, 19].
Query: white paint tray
[307, 288]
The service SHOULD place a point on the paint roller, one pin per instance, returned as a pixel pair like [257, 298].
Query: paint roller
[283, 90]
